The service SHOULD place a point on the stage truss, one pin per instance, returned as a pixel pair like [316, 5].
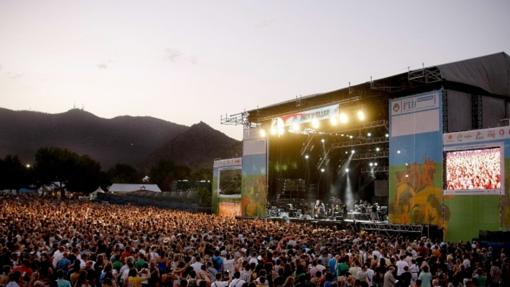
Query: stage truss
[391, 228]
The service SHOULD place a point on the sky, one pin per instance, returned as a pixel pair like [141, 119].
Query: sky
[191, 61]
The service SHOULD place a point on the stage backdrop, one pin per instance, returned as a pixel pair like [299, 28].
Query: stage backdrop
[254, 176]
[416, 160]
[435, 178]
[477, 201]
[226, 187]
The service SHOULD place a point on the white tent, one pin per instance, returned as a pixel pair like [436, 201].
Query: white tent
[129, 187]
[93, 195]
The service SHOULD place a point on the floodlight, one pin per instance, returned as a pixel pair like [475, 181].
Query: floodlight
[344, 118]
[361, 115]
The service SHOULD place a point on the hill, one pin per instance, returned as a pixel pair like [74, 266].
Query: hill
[123, 139]
[198, 147]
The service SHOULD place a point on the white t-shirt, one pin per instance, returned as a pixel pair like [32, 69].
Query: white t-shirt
[197, 266]
[400, 266]
[236, 283]
[219, 284]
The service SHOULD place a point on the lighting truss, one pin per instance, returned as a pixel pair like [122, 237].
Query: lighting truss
[236, 119]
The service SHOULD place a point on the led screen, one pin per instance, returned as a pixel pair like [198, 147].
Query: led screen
[473, 170]
[230, 181]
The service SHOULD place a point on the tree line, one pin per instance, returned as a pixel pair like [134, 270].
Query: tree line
[81, 173]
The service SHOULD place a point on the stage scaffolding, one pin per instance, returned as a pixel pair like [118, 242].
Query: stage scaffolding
[391, 228]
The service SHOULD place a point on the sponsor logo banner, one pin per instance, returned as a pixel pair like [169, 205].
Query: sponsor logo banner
[474, 136]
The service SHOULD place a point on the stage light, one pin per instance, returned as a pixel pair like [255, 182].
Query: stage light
[281, 131]
[28, 165]
[342, 135]
[273, 130]
[375, 163]
[371, 164]
[323, 140]
[346, 152]
[333, 121]
[347, 170]
[407, 175]
[377, 149]
[351, 137]
[398, 151]
[307, 156]
[387, 135]
[353, 151]
[323, 170]
[295, 127]
[344, 118]
[361, 115]
[315, 123]
[369, 134]
[262, 133]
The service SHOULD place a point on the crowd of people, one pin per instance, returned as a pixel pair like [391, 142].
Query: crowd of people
[68, 243]
[474, 169]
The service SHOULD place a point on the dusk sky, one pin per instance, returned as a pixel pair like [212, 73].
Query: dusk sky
[187, 61]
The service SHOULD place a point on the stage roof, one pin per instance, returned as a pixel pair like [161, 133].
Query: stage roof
[490, 73]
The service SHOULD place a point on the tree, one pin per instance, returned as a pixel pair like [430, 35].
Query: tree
[124, 173]
[165, 172]
[67, 169]
[13, 175]
[202, 174]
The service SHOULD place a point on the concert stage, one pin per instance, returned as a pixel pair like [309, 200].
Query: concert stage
[430, 146]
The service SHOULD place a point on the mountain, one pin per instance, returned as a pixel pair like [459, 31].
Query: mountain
[198, 147]
[123, 139]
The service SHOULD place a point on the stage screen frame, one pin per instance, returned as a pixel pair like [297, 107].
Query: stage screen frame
[235, 195]
[497, 191]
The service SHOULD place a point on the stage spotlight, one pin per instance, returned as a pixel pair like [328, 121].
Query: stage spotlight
[361, 115]
[262, 133]
[347, 170]
[342, 135]
[375, 163]
[343, 118]
[315, 123]
[387, 135]
[273, 130]
[353, 151]
[371, 164]
[351, 137]
[346, 152]
[307, 156]
[296, 127]
[398, 151]
[323, 140]
[369, 134]
[323, 170]
[377, 149]
[333, 121]
[281, 131]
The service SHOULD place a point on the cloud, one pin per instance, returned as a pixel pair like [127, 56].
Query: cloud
[105, 64]
[14, 76]
[173, 54]
[265, 23]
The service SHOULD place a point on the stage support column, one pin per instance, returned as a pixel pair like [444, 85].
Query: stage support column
[254, 175]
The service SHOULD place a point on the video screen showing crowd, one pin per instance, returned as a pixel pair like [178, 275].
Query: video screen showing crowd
[478, 169]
